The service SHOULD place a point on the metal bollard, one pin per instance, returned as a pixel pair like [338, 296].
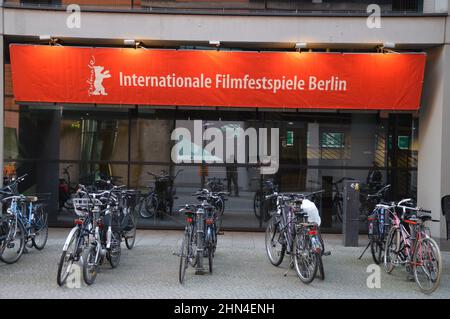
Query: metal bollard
[351, 204]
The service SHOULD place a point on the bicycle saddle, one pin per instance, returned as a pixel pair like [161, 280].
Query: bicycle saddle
[424, 215]
[186, 211]
[32, 199]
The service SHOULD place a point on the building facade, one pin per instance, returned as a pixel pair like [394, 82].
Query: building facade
[55, 140]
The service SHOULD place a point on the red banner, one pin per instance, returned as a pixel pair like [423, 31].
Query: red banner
[217, 78]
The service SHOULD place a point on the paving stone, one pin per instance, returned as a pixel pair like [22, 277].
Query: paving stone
[241, 270]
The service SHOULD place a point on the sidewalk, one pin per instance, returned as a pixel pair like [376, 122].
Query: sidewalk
[241, 270]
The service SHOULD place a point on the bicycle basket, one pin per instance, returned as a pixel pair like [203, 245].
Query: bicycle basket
[82, 206]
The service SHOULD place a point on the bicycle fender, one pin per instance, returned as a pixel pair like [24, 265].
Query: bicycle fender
[69, 237]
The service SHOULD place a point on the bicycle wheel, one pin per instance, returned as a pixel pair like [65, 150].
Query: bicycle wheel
[339, 210]
[427, 263]
[305, 260]
[219, 206]
[376, 247]
[148, 207]
[90, 267]
[14, 244]
[184, 255]
[257, 204]
[114, 252]
[392, 249]
[130, 236]
[40, 228]
[320, 270]
[210, 258]
[275, 248]
[67, 258]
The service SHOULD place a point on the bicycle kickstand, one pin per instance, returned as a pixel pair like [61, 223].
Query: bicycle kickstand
[291, 265]
[367, 247]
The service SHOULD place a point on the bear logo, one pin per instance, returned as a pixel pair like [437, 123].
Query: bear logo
[98, 74]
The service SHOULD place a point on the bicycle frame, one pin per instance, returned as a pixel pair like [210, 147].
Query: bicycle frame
[18, 208]
[408, 239]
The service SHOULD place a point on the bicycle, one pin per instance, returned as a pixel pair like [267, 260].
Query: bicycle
[106, 242]
[29, 220]
[289, 232]
[200, 236]
[217, 200]
[260, 199]
[78, 239]
[378, 224]
[414, 248]
[160, 198]
[338, 198]
[124, 218]
[215, 184]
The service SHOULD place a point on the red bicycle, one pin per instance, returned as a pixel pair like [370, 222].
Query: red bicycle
[413, 248]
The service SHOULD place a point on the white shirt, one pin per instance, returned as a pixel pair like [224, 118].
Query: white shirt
[313, 213]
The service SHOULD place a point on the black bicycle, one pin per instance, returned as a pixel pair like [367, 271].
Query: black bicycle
[378, 223]
[124, 218]
[159, 200]
[262, 201]
[215, 185]
[200, 235]
[289, 231]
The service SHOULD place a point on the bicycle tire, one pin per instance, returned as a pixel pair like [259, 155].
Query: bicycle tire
[61, 276]
[339, 211]
[184, 255]
[21, 232]
[148, 207]
[438, 258]
[270, 236]
[40, 228]
[90, 268]
[391, 250]
[210, 258]
[256, 206]
[130, 236]
[320, 269]
[114, 252]
[299, 263]
[376, 248]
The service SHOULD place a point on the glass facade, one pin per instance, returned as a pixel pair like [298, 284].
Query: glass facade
[66, 145]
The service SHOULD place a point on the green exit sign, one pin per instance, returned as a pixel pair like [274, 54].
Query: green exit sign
[403, 142]
[290, 138]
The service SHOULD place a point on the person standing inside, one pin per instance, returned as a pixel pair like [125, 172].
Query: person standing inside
[232, 177]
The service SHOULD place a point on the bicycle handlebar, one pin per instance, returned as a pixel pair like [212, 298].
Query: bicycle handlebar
[288, 196]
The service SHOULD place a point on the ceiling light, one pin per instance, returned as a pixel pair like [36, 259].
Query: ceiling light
[130, 42]
[214, 42]
[301, 45]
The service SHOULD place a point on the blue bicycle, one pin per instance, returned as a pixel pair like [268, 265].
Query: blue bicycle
[24, 224]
